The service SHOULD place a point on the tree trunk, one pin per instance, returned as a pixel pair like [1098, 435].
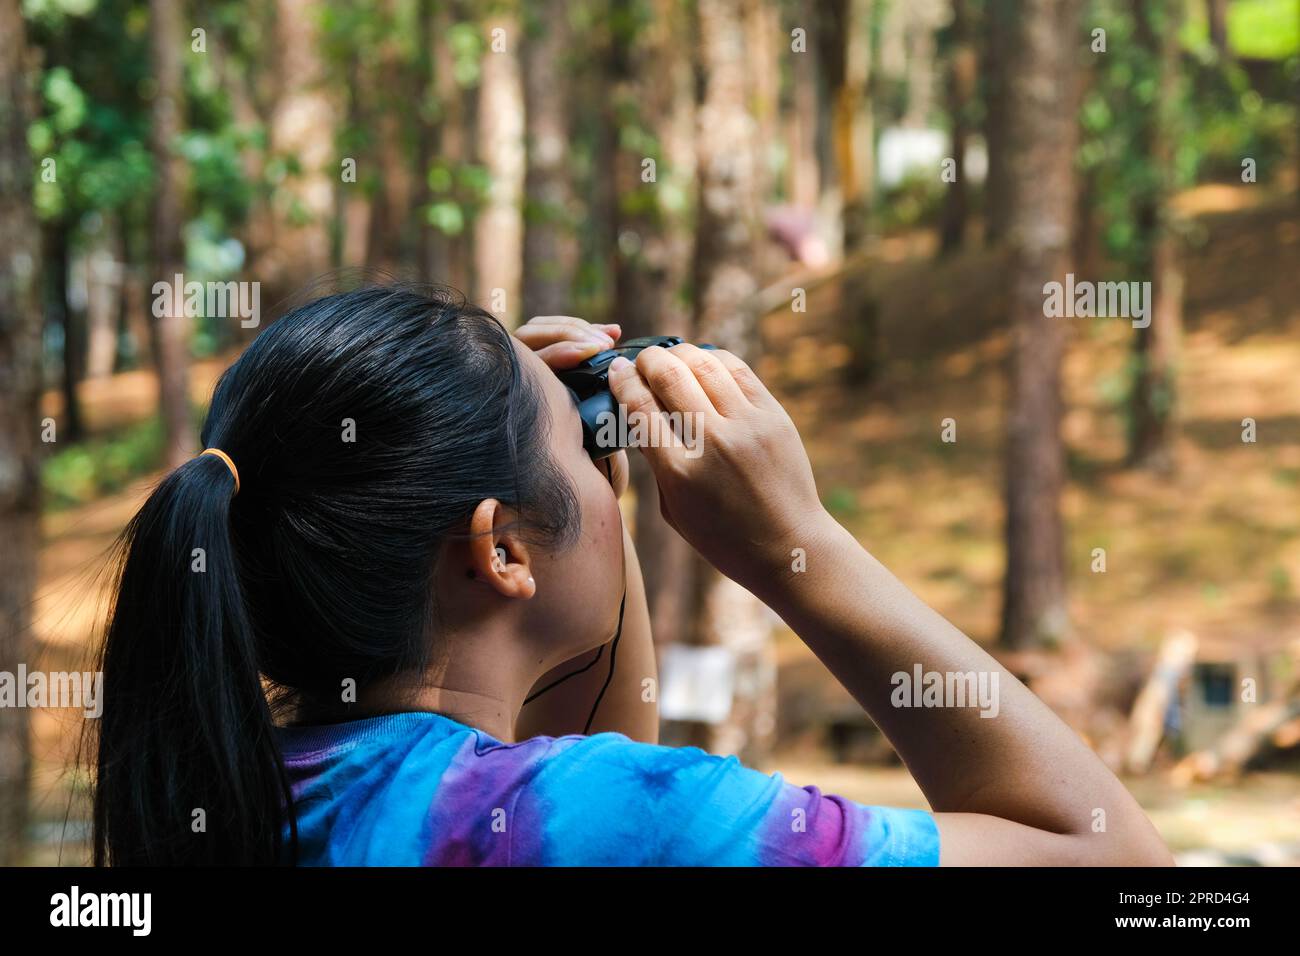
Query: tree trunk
[854, 120]
[171, 330]
[1153, 415]
[550, 249]
[725, 286]
[804, 185]
[998, 53]
[391, 203]
[20, 393]
[651, 80]
[499, 232]
[1217, 13]
[431, 246]
[1041, 136]
[302, 128]
[58, 313]
[103, 276]
[962, 67]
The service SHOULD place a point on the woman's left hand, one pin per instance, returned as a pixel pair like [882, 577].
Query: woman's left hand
[562, 341]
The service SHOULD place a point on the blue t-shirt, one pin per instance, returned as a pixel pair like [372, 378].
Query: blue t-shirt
[422, 789]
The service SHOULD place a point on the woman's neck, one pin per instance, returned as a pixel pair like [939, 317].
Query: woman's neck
[483, 686]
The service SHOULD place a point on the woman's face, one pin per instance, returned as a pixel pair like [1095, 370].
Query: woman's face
[579, 587]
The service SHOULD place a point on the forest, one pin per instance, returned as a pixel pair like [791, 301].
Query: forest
[1024, 272]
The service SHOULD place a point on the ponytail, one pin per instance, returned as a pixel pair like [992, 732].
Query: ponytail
[317, 571]
[189, 771]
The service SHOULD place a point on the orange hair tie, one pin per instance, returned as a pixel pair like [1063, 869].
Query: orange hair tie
[226, 458]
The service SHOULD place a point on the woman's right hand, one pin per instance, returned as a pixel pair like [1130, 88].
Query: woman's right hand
[743, 495]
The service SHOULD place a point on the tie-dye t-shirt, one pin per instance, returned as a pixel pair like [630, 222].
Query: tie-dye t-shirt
[422, 789]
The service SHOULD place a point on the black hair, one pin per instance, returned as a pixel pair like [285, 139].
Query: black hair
[366, 427]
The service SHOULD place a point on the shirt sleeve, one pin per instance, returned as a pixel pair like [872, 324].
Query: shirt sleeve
[608, 800]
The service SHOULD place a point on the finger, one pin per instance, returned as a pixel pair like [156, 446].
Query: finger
[714, 377]
[535, 336]
[749, 383]
[672, 381]
[564, 355]
[557, 320]
[611, 329]
[634, 394]
[631, 390]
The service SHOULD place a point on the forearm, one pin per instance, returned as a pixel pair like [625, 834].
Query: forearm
[1020, 763]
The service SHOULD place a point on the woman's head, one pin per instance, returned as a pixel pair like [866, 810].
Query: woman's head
[392, 447]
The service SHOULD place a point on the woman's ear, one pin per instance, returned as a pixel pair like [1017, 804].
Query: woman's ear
[498, 557]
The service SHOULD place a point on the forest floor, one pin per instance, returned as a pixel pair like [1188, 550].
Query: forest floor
[1213, 547]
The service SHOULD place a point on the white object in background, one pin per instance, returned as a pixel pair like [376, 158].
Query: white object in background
[696, 683]
[904, 150]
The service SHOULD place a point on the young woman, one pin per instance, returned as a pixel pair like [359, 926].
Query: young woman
[391, 616]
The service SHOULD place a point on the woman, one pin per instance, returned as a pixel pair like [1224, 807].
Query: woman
[391, 616]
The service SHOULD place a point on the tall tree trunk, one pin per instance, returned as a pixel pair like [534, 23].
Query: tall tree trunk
[854, 120]
[302, 129]
[998, 60]
[249, 116]
[804, 184]
[431, 247]
[458, 133]
[652, 80]
[133, 320]
[1042, 132]
[1153, 416]
[58, 313]
[391, 203]
[103, 276]
[1217, 13]
[962, 67]
[827, 27]
[171, 330]
[920, 65]
[20, 393]
[550, 248]
[725, 286]
[499, 231]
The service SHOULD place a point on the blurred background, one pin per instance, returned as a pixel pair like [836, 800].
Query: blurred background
[865, 198]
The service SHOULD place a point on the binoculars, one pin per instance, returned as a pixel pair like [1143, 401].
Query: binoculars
[589, 381]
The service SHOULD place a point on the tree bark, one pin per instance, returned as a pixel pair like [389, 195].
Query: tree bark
[58, 314]
[998, 55]
[961, 78]
[20, 392]
[1042, 133]
[725, 286]
[170, 330]
[302, 129]
[499, 232]
[651, 80]
[1217, 13]
[431, 244]
[1153, 415]
[550, 249]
